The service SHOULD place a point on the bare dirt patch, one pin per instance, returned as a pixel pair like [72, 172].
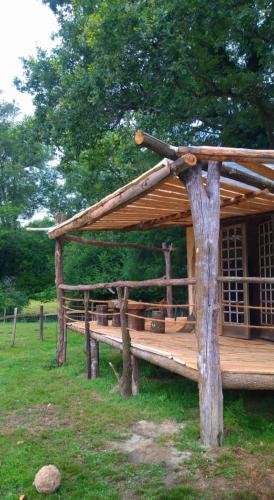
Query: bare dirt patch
[142, 445]
[35, 419]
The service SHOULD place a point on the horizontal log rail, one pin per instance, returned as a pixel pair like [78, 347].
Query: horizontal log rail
[245, 279]
[22, 316]
[130, 284]
[162, 282]
[112, 244]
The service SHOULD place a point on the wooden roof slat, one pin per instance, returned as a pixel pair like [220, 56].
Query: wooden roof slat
[159, 198]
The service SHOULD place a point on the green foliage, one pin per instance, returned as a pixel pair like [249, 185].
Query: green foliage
[10, 297]
[27, 261]
[180, 69]
[95, 265]
[22, 168]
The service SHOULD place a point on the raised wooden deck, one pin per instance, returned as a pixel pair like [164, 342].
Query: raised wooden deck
[245, 364]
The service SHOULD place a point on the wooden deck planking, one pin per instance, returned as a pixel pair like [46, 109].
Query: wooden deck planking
[237, 355]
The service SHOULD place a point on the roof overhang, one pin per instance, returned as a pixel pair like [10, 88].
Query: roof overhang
[158, 199]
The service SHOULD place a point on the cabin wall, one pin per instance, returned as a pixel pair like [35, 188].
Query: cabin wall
[252, 241]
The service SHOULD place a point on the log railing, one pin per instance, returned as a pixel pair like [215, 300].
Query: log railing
[87, 309]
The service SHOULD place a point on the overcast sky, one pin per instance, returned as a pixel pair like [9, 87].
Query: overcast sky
[24, 25]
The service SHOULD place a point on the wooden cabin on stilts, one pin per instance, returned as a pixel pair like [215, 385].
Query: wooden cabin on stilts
[225, 199]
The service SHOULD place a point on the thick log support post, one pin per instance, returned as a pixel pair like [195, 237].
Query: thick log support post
[87, 333]
[92, 346]
[168, 273]
[205, 209]
[59, 278]
[126, 379]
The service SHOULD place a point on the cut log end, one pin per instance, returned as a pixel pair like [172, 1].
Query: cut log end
[139, 137]
[190, 159]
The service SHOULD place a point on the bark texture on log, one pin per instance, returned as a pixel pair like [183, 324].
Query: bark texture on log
[116, 321]
[59, 278]
[169, 294]
[134, 322]
[126, 379]
[254, 381]
[157, 326]
[205, 207]
[213, 153]
[109, 244]
[87, 333]
[131, 284]
[102, 318]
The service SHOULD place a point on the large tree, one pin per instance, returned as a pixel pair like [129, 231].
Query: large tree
[185, 69]
[23, 168]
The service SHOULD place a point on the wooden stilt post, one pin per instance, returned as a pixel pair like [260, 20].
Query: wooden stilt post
[168, 273]
[59, 278]
[87, 333]
[92, 345]
[126, 379]
[205, 209]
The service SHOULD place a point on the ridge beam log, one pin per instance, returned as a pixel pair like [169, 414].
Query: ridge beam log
[205, 208]
[213, 153]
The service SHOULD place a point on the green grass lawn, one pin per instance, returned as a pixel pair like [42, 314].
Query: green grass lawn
[33, 307]
[55, 415]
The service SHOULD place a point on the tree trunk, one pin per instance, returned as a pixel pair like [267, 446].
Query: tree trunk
[205, 208]
[59, 278]
[126, 379]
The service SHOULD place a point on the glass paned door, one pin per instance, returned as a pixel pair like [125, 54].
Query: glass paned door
[234, 295]
[266, 269]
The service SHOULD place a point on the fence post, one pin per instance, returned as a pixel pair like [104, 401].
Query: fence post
[41, 323]
[5, 312]
[14, 327]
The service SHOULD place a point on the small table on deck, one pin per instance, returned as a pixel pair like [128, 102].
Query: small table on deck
[135, 308]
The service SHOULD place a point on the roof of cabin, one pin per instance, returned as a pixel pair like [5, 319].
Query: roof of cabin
[159, 199]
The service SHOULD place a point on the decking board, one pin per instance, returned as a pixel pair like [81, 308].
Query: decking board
[238, 357]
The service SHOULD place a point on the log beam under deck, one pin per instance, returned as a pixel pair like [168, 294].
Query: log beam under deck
[245, 364]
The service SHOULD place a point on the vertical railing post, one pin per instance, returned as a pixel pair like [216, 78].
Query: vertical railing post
[87, 332]
[168, 273]
[92, 346]
[126, 379]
